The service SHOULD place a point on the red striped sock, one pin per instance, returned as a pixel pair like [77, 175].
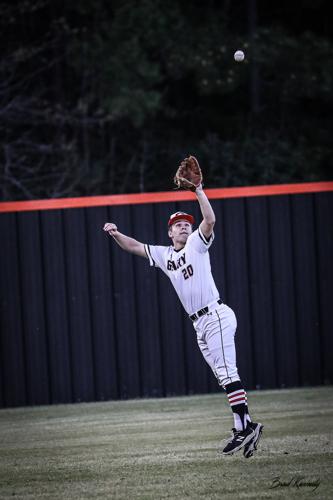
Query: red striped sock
[237, 397]
[238, 403]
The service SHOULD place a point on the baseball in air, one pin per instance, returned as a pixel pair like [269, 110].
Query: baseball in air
[239, 55]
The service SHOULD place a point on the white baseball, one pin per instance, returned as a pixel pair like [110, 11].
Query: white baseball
[239, 55]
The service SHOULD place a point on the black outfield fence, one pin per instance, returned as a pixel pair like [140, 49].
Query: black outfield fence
[82, 320]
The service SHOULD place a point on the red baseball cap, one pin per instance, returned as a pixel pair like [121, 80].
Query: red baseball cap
[180, 216]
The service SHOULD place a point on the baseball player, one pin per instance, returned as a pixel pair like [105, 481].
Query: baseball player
[186, 262]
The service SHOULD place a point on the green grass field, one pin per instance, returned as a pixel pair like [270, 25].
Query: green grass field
[168, 448]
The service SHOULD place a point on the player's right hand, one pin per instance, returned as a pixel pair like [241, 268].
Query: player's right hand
[110, 228]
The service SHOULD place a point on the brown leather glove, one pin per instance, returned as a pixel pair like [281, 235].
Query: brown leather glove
[188, 175]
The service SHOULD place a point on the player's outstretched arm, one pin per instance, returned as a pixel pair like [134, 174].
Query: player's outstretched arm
[208, 222]
[125, 242]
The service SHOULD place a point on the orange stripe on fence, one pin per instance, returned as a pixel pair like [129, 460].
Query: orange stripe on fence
[162, 197]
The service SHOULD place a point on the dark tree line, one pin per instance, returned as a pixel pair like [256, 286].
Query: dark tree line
[107, 96]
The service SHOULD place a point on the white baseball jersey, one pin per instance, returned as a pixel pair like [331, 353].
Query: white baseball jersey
[188, 269]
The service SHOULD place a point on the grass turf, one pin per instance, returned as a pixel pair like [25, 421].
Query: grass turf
[168, 448]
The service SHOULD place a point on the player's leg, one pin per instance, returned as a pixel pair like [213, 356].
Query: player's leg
[216, 341]
[219, 335]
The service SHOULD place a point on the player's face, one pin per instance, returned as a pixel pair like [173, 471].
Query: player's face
[179, 232]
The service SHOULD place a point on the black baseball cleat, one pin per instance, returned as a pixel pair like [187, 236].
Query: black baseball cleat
[238, 440]
[251, 445]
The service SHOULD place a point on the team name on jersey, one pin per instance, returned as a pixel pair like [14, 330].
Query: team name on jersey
[174, 265]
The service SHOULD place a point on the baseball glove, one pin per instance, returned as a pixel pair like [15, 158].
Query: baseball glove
[188, 175]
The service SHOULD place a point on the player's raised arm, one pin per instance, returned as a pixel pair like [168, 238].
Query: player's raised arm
[208, 221]
[125, 242]
[189, 176]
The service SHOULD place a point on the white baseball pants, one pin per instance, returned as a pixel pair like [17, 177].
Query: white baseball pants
[216, 339]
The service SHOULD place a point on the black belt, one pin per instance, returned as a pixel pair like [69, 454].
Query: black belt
[202, 311]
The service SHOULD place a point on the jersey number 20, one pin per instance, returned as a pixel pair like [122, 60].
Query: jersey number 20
[187, 271]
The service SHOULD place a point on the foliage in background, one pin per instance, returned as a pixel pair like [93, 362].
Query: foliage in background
[107, 97]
